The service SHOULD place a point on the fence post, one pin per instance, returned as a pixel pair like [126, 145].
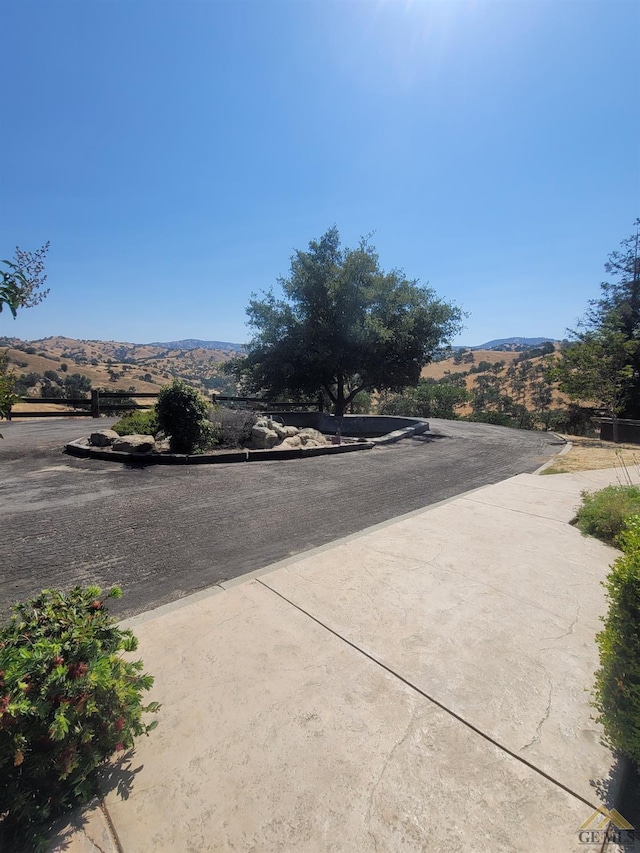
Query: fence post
[95, 403]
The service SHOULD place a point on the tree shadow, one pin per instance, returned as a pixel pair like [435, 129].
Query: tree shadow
[426, 438]
[118, 775]
[620, 790]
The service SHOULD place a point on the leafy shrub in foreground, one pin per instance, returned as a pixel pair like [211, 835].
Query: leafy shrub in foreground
[68, 701]
[617, 687]
[603, 513]
[182, 414]
[138, 422]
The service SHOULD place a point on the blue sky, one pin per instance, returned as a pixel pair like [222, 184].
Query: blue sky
[176, 153]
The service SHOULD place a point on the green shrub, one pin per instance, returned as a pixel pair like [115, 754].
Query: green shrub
[7, 387]
[603, 513]
[182, 414]
[617, 687]
[68, 701]
[138, 422]
[574, 420]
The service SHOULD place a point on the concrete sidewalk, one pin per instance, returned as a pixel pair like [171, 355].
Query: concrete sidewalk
[420, 686]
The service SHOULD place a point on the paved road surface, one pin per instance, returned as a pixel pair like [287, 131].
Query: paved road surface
[164, 532]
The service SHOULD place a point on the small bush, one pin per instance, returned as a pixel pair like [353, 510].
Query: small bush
[68, 701]
[8, 384]
[233, 426]
[617, 687]
[603, 513]
[138, 422]
[574, 420]
[182, 414]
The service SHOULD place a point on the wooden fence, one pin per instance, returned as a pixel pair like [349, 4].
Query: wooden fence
[105, 402]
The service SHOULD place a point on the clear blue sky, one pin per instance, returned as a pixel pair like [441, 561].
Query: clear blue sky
[176, 152]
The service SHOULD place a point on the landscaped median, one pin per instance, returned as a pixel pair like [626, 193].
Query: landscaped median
[82, 447]
[241, 436]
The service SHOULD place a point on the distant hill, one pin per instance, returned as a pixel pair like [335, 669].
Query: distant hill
[192, 343]
[117, 365]
[513, 342]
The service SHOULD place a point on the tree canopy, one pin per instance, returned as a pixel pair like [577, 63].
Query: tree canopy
[341, 326]
[602, 363]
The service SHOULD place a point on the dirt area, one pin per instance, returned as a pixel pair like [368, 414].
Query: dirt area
[589, 454]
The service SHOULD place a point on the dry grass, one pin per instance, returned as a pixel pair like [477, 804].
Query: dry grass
[439, 369]
[589, 454]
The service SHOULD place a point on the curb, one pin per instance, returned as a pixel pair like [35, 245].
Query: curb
[567, 447]
[80, 449]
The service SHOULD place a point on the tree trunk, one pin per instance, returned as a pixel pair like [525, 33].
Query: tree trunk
[340, 404]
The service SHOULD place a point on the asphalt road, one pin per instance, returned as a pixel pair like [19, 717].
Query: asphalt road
[164, 532]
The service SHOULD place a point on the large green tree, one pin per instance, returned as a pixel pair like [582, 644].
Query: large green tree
[599, 369]
[342, 326]
[602, 362]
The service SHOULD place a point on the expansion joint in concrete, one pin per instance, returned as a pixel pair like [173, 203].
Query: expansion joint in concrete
[112, 829]
[431, 699]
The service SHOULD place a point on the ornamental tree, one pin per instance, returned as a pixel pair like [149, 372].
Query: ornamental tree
[22, 278]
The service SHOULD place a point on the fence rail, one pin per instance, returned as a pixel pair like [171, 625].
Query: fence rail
[94, 406]
[87, 407]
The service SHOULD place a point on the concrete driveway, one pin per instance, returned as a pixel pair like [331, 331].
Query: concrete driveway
[162, 533]
[422, 686]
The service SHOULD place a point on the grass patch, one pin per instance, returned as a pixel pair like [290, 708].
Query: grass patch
[138, 422]
[603, 514]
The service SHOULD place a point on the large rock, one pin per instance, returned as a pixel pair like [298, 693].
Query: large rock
[134, 444]
[291, 443]
[103, 437]
[284, 431]
[263, 438]
[311, 437]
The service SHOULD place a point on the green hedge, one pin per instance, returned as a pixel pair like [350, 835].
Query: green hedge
[617, 688]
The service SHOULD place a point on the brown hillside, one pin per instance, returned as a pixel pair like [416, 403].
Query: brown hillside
[439, 369]
[115, 365]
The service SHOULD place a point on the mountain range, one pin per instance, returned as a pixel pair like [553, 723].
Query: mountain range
[194, 343]
[520, 342]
